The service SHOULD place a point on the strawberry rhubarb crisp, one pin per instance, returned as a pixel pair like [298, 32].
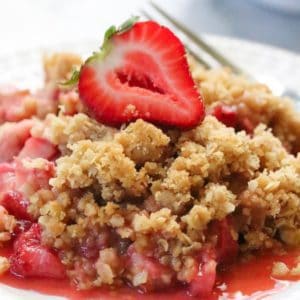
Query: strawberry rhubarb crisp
[118, 176]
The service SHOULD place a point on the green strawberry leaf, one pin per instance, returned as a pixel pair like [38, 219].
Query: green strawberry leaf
[104, 49]
[72, 81]
[112, 30]
[127, 24]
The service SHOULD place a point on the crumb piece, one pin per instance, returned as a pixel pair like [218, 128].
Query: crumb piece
[130, 111]
[107, 265]
[140, 278]
[198, 217]
[103, 163]
[295, 271]
[280, 269]
[70, 103]
[160, 221]
[67, 130]
[143, 142]
[7, 225]
[4, 265]
[59, 66]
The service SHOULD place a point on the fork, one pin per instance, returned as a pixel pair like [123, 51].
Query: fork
[206, 54]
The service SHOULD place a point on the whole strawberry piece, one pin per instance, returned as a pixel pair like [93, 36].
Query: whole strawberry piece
[16, 204]
[31, 259]
[141, 71]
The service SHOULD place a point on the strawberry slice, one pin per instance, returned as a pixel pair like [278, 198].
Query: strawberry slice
[158, 276]
[29, 178]
[204, 277]
[31, 259]
[38, 148]
[226, 114]
[226, 248]
[16, 205]
[7, 178]
[12, 138]
[229, 116]
[141, 71]
[18, 180]
[17, 105]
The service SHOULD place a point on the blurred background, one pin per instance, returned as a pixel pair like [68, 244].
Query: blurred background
[30, 23]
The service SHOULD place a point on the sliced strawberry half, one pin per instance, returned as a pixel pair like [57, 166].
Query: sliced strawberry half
[141, 71]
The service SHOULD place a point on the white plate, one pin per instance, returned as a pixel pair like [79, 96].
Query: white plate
[24, 69]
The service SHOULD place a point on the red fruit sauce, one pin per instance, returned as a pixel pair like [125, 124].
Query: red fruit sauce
[247, 277]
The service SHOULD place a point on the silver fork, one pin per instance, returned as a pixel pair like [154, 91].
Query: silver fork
[205, 53]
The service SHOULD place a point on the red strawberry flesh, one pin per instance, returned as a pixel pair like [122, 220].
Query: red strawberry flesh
[7, 178]
[38, 148]
[158, 275]
[226, 247]
[226, 114]
[31, 259]
[204, 277]
[12, 138]
[16, 204]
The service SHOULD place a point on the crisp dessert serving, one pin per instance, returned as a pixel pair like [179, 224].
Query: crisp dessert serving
[146, 171]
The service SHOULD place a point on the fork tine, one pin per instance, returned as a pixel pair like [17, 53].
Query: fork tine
[199, 41]
[189, 50]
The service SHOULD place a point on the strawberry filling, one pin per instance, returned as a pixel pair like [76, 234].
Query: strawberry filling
[226, 247]
[16, 205]
[230, 116]
[226, 114]
[204, 274]
[12, 139]
[17, 105]
[30, 258]
[7, 178]
[157, 275]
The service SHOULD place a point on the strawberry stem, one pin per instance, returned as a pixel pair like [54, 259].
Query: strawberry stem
[72, 81]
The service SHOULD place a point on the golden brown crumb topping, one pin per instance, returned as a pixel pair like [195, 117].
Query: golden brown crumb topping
[7, 224]
[158, 190]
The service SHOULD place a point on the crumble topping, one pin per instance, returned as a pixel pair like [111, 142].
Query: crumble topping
[151, 198]
[280, 269]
